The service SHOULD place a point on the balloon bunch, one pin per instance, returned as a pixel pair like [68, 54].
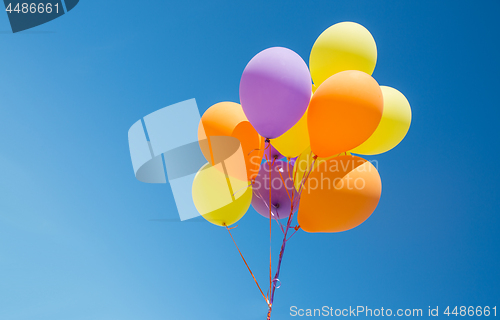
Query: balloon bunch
[288, 147]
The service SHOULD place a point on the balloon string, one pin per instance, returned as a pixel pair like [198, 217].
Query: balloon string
[284, 184]
[258, 195]
[289, 177]
[305, 177]
[282, 251]
[246, 187]
[296, 229]
[278, 221]
[270, 222]
[295, 176]
[293, 183]
[258, 149]
[312, 168]
[303, 174]
[285, 239]
[229, 230]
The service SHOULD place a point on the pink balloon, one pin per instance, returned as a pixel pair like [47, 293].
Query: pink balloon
[275, 90]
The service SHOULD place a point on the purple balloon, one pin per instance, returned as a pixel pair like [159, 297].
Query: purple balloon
[281, 204]
[275, 90]
[292, 161]
[275, 154]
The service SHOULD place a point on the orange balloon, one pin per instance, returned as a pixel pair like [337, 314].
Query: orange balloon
[339, 195]
[344, 112]
[228, 119]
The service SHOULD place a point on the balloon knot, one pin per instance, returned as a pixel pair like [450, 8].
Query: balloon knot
[315, 157]
[267, 140]
[297, 227]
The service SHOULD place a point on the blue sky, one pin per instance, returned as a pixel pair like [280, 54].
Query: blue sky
[78, 236]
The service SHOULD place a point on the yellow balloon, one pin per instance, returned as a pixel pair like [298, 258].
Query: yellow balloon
[295, 140]
[393, 126]
[303, 165]
[220, 198]
[343, 46]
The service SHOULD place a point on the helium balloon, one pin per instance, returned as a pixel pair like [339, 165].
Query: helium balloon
[294, 141]
[228, 119]
[394, 125]
[343, 46]
[344, 112]
[302, 165]
[281, 190]
[275, 89]
[271, 153]
[219, 198]
[340, 195]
